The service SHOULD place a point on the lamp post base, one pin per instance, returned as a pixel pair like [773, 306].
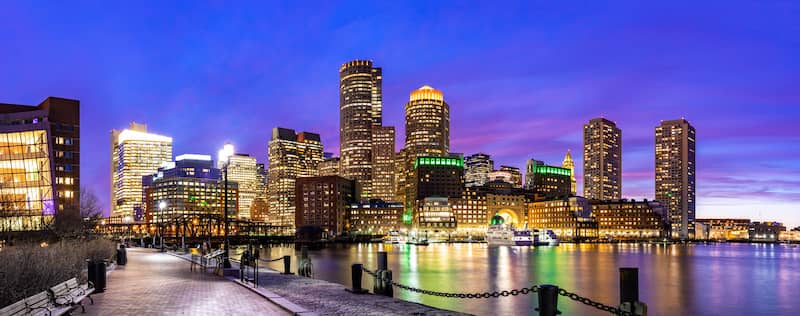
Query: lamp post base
[226, 263]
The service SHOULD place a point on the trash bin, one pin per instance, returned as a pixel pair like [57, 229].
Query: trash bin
[97, 274]
[122, 255]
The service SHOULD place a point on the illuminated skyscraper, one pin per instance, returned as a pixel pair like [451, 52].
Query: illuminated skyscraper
[39, 163]
[477, 168]
[134, 153]
[291, 156]
[360, 102]
[548, 181]
[329, 167]
[515, 176]
[569, 164]
[602, 160]
[427, 132]
[383, 163]
[675, 174]
[243, 170]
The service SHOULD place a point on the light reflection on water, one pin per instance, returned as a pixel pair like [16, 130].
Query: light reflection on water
[702, 279]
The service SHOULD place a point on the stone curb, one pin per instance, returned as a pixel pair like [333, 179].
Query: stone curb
[270, 296]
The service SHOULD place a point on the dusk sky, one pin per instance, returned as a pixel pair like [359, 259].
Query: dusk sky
[521, 79]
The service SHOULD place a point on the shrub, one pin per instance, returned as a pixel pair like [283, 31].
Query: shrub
[27, 269]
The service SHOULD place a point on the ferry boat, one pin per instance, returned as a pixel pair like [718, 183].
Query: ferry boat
[394, 237]
[501, 234]
[544, 237]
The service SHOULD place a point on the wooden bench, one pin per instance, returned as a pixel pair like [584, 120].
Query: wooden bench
[204, 261]
[70, 293]
[36, 305]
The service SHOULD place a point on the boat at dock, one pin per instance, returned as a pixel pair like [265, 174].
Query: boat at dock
[502, 234]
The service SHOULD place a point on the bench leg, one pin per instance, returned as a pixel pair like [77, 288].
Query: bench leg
[83, 308]
[91, 300]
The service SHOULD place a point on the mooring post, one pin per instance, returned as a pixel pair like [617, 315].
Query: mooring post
[548, 300]
[287, 265]
[355, 270]
[383, 279]
[629, 292]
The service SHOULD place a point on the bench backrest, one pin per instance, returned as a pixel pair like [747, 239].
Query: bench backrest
[72, 283]
[38, 301]
[18, 308]
[60, 289]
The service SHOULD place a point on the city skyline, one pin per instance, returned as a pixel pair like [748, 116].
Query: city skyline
[746, 155]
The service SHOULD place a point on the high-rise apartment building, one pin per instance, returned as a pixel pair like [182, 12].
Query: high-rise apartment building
[477, 168]
[135, 153]
[383, 163]
[291, 156]
[39, 162]
[360, 103]
[602, 160]
[675, 174]
[322, 203]
[243, 169]
[570, 164]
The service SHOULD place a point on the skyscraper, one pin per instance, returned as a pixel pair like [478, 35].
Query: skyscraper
[39, 162]
[515, 175]
[243, 169]
[570, 164]
[477, 168]
[602, 160]
[134, 153]
[427, 132]
[383, 164]
[548, 181]
[291, 155]
[675, 174]
[360, 102]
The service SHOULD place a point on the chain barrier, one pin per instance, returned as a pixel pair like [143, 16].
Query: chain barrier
[523, 291]
[271, 260]
[589, 302]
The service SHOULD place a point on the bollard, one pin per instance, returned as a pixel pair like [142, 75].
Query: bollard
[548, 300]
[287, 265]
[355, 269]
[628, 285]
[383, 283]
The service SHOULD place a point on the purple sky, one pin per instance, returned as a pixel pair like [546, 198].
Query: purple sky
[521, 79]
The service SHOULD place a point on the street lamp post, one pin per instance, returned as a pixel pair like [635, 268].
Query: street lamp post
[161, 206]
[224, 155]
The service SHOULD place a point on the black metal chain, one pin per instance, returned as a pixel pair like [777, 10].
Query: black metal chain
[524, 291]
[597, 305]
[271, 260]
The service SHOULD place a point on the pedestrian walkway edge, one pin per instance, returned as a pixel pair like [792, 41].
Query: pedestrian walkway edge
[270, 296]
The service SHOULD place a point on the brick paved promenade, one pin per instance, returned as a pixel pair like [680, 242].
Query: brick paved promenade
[153, 283]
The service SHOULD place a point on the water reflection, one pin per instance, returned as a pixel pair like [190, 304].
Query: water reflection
[702, 279]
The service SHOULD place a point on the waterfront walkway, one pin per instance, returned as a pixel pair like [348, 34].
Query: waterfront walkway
[154, 283]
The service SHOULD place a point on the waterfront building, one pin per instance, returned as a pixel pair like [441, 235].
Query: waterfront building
[630, 219]
[515, 176]
[511, 205]
[322, 202]
[675, 174]
[569, 217]
[477, 168]
[329, 166]
[243, 169]
[39, 162]
[471, 212]
[602, 160]
[726, 228]
[360, 107]
[291, 156]
[375, 217]
[135, 153]
[568, 163]
[435, 217]
[186, 189]
[765, 231]
[383, 163]
[427, 132]
[548, 181]
[436, 177]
